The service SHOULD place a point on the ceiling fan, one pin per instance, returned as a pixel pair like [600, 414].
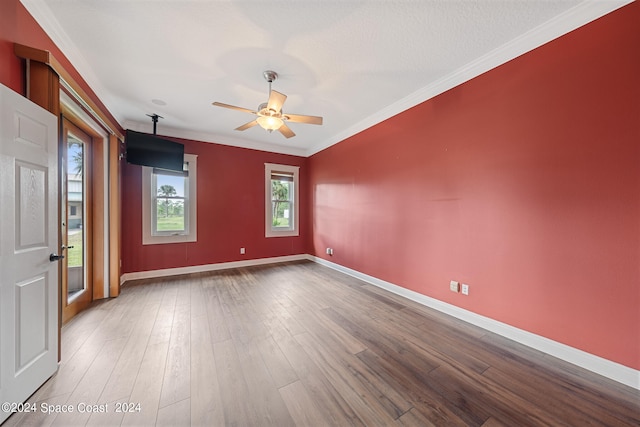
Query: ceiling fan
[270, 115]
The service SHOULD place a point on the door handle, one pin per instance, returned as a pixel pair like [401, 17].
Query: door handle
[54, 257]
[67, 247]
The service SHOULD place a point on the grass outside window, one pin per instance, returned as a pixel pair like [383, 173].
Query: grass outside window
[74, 254]
[171, 223]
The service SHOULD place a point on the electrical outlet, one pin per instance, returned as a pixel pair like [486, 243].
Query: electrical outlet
[453, 285]
[241, 251]
[465, 289]
[329, 251]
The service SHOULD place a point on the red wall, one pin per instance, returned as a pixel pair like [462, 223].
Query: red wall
[523, 182]
[230, 212]
[12, 13]
[18, 26]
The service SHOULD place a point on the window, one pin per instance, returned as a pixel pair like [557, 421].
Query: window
[169, 204]
[281, 200]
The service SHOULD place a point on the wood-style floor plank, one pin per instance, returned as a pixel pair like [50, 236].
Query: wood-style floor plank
[238, 411]
[176, 381]
[148, 386]
[417, 390]
[301, 406]
[368, 406]
[276, 363]
[123, 377]
[176, 414]
[90, 388]
[299, 344]
[413, 418]
[207, 408]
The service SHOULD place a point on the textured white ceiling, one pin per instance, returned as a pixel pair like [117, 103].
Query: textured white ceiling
[353, 62]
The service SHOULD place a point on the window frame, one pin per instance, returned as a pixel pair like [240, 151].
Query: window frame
[149, 237]
[293, 230]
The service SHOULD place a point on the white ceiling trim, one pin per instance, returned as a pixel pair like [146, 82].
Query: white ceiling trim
[216, 139]
[562, 24]
[574, 18]
[45, 18]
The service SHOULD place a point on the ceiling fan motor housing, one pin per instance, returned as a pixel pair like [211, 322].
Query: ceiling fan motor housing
[270, 76]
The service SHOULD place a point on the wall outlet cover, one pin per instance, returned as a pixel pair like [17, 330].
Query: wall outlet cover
[454, 286]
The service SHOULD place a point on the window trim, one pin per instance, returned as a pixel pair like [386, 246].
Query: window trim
[148, 238]
[269, 168]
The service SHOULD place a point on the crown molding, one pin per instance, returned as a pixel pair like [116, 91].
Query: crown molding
[558, 26]
[216, 139]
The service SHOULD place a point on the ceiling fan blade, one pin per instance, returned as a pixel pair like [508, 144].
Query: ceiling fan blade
[233, 107]
[247, 125]
[298, 118]
[276, 100]
[284, 129]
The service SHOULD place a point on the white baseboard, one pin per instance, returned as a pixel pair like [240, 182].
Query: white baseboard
[593, 363]
[208, 267]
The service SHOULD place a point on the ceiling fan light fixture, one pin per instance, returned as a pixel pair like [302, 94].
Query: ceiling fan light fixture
[270, 116]
[270, 123]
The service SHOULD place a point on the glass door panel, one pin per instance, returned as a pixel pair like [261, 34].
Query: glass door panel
[76, 236]
[75, 215]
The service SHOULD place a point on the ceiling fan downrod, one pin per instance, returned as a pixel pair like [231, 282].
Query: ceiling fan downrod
[270, 76]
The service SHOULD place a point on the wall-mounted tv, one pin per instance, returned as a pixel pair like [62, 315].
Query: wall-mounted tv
[150, 150]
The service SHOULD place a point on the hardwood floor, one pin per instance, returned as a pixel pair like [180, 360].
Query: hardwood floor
[300, 344]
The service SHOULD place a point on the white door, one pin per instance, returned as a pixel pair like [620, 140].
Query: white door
[28, 235]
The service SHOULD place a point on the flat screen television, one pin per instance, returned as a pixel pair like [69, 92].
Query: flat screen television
[150, 150]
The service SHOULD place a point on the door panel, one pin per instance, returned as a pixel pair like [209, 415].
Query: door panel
[31, 193]
[28, 236]
[31, 312]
